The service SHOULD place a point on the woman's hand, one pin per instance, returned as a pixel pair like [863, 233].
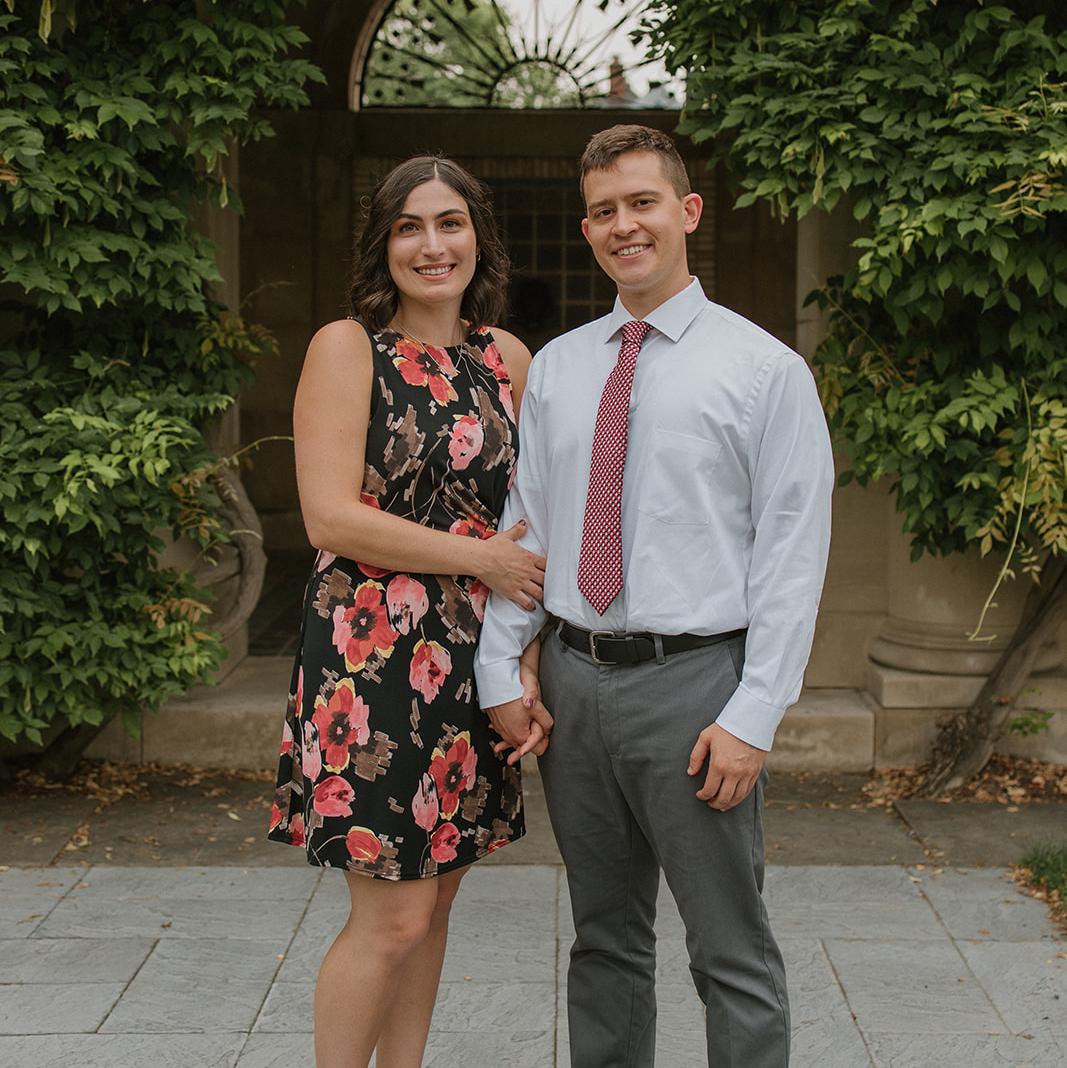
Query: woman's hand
[525, 724]
[510, 570]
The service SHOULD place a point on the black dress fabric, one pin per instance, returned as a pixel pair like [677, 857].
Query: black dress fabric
[387, 766]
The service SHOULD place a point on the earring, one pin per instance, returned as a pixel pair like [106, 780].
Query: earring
[478, 255]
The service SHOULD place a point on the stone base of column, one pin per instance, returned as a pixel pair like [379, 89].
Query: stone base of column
[908, 706]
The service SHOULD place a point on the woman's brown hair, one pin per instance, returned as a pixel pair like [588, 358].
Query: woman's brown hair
[372, 295]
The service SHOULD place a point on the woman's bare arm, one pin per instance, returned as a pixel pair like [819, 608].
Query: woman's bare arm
[330, 417]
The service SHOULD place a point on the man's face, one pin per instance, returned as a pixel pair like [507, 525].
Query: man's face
[636, 225]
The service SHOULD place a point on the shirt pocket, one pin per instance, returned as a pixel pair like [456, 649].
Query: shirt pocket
[678, 478]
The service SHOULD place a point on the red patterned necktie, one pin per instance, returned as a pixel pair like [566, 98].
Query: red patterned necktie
[600, 560]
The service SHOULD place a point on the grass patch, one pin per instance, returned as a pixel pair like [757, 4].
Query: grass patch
[1043, 870]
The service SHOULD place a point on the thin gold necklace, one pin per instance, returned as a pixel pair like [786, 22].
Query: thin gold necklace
[422, 341]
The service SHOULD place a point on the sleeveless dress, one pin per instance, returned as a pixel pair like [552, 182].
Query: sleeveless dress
[387, 766]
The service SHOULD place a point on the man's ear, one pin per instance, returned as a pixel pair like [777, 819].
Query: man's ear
[693, 207]
[585, 228]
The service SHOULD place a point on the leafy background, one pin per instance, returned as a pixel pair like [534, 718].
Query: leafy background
[116, 120]
[943, 128]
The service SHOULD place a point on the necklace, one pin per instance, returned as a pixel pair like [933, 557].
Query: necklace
[422, 341]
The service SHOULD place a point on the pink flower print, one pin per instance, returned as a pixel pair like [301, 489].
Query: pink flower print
[494, 361]
[454, 772]
[466, 441]
[430, 665]
[296, 831]
[424, 805]
[310, 754]
[443, 843]
[287, 739]
[333, 797]
[478, 594]
[406, 600]
[341, 723]
[359, 630]
[420, 366]
[471, 528]
[363, 845]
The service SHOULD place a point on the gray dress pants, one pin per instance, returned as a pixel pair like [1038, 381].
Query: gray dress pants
[623, 808]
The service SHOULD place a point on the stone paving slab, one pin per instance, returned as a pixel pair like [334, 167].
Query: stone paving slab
[1026, 981]
[167, 918]
[965, 1051]
[861, 902]
[178, 1004]
[912, 988]
[196, 883]
[44, 1009]
[123, 1051]
[279, 1051]
[984, 836]
[984, 904]
[27, 896]
[71, 960]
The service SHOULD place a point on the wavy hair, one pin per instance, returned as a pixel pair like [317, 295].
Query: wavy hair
[372, 294]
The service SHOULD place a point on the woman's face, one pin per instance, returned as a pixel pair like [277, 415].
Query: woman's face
[432, 245]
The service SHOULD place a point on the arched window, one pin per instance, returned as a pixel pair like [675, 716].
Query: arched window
[508, 54]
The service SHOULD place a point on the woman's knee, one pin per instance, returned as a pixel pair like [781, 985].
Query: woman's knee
[397, 933]
[389, 919]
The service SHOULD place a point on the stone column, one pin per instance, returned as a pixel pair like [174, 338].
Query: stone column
[923, 663]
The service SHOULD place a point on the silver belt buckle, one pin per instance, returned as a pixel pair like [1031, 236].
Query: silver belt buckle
[593, 635]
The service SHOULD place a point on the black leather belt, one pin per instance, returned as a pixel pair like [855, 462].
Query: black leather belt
[610, 647]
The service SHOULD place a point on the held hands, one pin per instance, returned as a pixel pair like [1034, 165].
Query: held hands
[524, 724]
[510, 570]
[733, 767]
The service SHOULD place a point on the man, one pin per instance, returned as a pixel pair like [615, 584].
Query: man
[683, 599]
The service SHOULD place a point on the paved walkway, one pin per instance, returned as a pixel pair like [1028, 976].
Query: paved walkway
[176, 963]
[888, 966]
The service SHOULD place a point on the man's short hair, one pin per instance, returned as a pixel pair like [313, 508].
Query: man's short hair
[604, 149]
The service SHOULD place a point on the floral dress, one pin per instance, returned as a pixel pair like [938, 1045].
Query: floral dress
[387, 764]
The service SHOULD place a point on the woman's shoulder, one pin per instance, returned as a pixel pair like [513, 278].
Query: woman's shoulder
[339, 345]
[341, 333]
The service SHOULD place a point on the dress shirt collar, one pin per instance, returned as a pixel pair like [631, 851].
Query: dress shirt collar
[671, 318]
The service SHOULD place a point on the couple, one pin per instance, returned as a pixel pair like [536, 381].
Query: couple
[664, 618]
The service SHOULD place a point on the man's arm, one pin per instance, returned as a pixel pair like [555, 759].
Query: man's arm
[508, 629]
[792, 474]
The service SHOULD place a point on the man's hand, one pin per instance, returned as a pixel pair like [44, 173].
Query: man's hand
[524, 725]
[733, 767]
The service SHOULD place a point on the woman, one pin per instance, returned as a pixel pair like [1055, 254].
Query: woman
[406, 443]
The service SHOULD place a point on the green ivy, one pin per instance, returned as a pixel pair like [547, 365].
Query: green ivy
[943, 127]
[113, 359]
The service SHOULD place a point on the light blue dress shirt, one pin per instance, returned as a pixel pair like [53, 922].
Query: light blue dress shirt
[725, 506]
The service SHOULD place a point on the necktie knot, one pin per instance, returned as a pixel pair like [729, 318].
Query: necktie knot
[633, 332]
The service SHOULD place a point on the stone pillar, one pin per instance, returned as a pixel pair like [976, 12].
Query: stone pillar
[222, 226]
[923, 663]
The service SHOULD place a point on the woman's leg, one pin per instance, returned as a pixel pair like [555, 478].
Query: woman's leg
[402, 1040]
[358, 978]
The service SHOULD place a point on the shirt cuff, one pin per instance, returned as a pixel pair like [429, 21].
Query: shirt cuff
[498, 683]
[750, 719]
